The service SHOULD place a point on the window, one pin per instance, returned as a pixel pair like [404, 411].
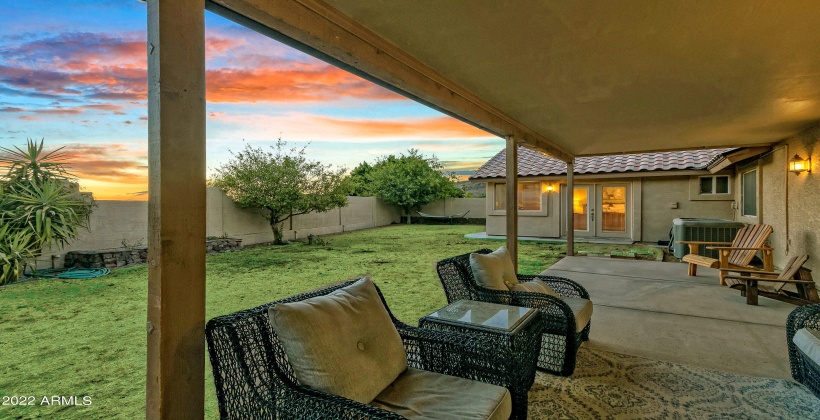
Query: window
[714, 184]
[529, 196]
[749, 193]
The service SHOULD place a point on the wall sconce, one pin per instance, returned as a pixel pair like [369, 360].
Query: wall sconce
[550, 188]
[798, 164]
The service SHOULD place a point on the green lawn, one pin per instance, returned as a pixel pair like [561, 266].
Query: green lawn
[87, 337]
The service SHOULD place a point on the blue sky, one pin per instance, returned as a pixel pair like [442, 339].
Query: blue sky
[74, 72]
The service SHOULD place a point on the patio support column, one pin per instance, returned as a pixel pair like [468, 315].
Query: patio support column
[175, 381]
[512, 199]
[570, 210]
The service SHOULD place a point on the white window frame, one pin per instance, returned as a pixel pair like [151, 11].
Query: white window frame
[714, 185]
[504, 210]
[743, 192]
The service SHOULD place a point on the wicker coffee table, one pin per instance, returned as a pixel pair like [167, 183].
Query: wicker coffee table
[516, 329]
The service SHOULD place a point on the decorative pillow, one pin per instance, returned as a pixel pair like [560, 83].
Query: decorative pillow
[343, 343]
[534, 286]
[494, 270]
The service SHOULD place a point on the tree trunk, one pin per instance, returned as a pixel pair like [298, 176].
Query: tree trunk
[408, 216]
[278, 232]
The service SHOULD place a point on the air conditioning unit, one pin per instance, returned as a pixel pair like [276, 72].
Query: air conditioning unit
[706, 230]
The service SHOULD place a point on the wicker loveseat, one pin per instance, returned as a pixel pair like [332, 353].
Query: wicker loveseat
[804, 322]
[561, 338]
[255, 380]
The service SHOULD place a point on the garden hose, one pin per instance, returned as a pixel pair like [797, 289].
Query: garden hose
[72, 273]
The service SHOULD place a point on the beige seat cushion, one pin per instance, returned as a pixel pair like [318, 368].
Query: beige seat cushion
[343, 343]
[534, 286]
[418, 394]
[582, 309]
[494, 270]
[808, 341]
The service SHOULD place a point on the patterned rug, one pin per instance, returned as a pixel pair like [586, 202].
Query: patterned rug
[616, 386]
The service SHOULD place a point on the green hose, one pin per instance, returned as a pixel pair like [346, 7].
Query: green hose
[72, 273]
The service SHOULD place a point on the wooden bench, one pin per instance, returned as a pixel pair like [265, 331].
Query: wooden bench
[735, 255]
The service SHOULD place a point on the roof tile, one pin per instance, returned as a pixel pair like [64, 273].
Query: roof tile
[534, 163]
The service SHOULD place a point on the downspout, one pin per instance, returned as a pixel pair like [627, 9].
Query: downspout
[786, 192]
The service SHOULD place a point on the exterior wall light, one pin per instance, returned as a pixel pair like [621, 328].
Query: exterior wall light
[798, 164]
[550, 188]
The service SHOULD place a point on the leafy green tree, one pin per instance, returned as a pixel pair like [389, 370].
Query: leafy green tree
[411, 181]
[358, 177]
[283, 182]
[40, 205]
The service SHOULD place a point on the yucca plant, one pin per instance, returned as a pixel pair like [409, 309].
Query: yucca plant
[32, 163]
[38, 205]
[47, 210]
[15, 251]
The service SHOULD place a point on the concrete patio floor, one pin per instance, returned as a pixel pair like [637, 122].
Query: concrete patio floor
[653, 309]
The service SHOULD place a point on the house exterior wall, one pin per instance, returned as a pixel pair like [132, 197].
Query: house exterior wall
[652, 199]
[659, 195]
[789, 202]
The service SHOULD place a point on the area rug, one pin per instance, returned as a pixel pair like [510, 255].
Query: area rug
[609, 385]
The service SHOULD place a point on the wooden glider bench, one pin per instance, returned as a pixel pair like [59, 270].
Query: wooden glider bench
[793, 273]
[733, 256]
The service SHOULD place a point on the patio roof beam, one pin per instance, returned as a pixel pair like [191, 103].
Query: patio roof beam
[315, 27]
[512, 199]
[175, 385]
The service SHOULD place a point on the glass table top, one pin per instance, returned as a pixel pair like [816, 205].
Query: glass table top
[482, 314]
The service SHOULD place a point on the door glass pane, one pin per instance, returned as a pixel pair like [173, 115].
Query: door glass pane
[580, 208]
[529, 196]
[500, 196]
[613, 206]
[750, 193]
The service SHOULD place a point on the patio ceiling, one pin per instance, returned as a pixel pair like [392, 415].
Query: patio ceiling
[593, 77]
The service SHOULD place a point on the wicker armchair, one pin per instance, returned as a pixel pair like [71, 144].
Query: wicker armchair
[804, 370]
[254, 380]
[560, 341]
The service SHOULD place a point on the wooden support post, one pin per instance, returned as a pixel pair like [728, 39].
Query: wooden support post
[570, 209]
[175, 385]
[512, 199]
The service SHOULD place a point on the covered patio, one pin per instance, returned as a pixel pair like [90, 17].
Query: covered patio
[566, 78]
[654, 310]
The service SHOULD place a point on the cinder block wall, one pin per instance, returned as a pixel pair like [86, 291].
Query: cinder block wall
[115, 224]
[450, 206]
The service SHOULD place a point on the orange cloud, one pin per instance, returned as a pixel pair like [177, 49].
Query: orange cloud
[435, 127]
[318, 82]
[312, 127]
[114, 163]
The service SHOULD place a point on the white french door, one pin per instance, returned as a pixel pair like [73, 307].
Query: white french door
[600, 210]
[613, 211]
[583, 210]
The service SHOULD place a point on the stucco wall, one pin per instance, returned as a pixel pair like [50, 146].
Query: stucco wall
[540, 224]
[115, 223]
[793, 213]
[651, 200]
[659, 193]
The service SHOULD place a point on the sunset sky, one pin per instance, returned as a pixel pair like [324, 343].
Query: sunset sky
[74, 72]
